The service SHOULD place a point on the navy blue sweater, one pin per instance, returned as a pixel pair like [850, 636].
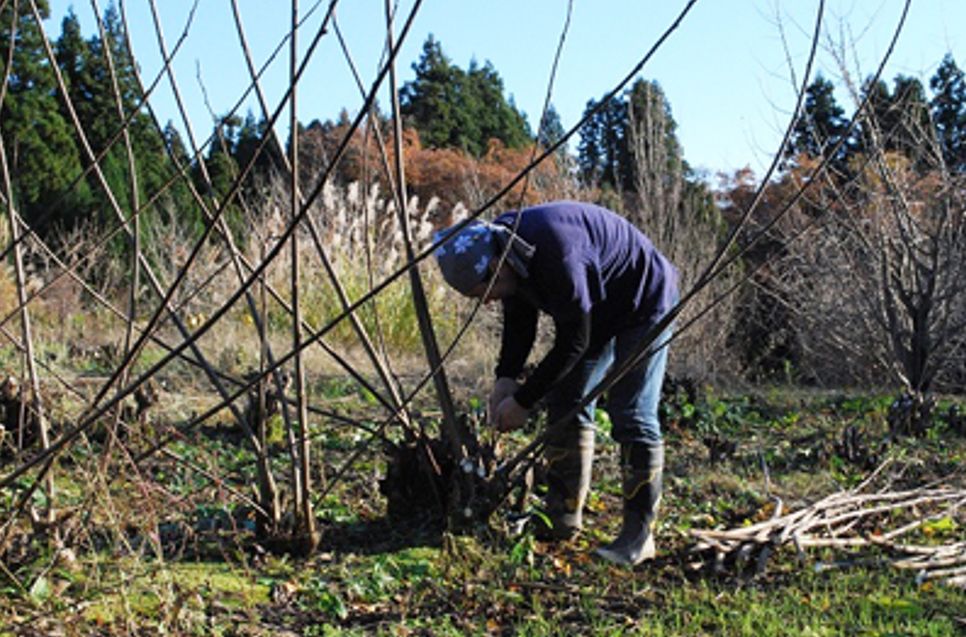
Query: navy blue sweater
[594, 273]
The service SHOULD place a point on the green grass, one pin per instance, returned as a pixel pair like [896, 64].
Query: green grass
[862, 602]
[559, 593]
[190, 583]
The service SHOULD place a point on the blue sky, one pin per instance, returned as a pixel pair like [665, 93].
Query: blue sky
[726, 71]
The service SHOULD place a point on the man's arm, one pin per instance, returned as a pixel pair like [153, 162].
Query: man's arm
[519, 333]
[571, 340]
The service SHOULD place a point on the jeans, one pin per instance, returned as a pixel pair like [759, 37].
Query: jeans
[632, 402]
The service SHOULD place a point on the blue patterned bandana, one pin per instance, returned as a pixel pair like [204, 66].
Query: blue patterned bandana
[464, 260]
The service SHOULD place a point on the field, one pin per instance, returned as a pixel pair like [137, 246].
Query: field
[238, 399]
[166, 549]
[178, 503]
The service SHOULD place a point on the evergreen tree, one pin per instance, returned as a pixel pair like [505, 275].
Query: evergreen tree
[590, 151]
[100, 74]
[74, 58]
[247, 139]
[620, 135]
[551, 130]
[948, 108]
[223, 170]
[38, 141]
[452, 108]
[629, 149]
[179, 198]
[898, 120]
[494, 116]
[821, 126]
[153, 166]
[121, 57]
[912, 129]
[603, 157]
[90, 93]
[172, 138]
[430, 101]
[221, 164]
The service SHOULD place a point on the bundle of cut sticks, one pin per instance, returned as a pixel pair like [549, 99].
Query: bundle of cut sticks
[856, 518]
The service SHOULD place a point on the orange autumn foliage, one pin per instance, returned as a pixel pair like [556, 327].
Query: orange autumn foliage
[451, 175]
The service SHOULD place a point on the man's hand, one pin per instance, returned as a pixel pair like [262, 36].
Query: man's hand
[503, 388]
[510, 415]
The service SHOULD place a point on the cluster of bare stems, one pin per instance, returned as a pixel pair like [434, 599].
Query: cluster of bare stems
[858, 518]
[245, 398]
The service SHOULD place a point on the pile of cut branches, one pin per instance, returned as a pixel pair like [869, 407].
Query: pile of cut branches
[915, 528]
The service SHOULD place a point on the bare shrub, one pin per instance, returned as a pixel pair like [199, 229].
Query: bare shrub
[876, 283]
[879, 289]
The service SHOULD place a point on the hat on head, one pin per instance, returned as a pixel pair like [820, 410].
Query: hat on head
[464, 260]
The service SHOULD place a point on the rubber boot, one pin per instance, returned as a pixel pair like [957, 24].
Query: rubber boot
[568, 480]
[641, 466]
